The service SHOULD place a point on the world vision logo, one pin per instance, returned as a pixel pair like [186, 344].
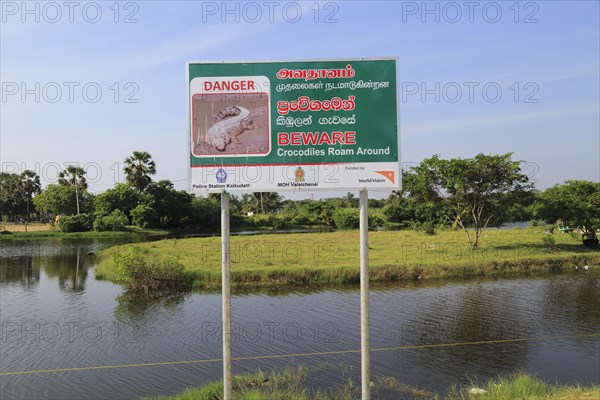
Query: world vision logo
[388, 174]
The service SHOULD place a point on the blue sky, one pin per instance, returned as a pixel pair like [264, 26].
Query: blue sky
[543, 57]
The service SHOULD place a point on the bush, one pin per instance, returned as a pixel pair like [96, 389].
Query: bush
[349, 218]
[116, 221]
[376, 220]
[131, 263]
[549, 241]
[141, 270]
[257, 220]
[346, 218]
[76, 223]
[279, 221]
[301, 219]
[428, 227]
[144, 216]
[206, 212]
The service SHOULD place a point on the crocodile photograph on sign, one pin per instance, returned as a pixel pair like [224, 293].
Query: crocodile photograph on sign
[230, 117]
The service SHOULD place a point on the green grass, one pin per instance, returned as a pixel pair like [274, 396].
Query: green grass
[55, 232]
[333, 258]
[523, 386]
[290, 384]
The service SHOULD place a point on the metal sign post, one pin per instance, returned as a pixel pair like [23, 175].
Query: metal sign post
[365, 356]
[226, 295]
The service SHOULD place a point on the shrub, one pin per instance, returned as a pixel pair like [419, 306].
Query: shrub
[376, 220]
[279, 221]
[131, 264]
[346, 218]
[144, 216]
[257, 220]
[301, 219]
[428, 227]
[76, 223]
[549, 241]
[141, 270]
[349, 218]
[116, 221]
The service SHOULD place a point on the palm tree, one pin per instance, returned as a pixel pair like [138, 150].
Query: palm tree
[73, 176]
[30, 184]
[138, 168]
[263, 202]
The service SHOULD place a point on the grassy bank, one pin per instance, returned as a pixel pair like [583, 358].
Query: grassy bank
[287, 384]
[333, 258]
[526, 387]
[290, 384]
[50, 231]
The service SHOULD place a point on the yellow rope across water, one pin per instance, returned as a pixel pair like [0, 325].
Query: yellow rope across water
[318, 353]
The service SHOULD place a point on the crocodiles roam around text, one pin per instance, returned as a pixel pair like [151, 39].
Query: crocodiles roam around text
[230, 122]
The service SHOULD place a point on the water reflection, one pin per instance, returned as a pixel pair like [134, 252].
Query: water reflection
[70, 269]
[20, 270]
[478, 317]
[135, 306]
[577, 303]
[66, 260]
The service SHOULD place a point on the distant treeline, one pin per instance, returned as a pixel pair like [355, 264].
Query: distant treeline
[483, 191]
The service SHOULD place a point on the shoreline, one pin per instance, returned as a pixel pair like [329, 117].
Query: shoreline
[292, 383]
[307, 259]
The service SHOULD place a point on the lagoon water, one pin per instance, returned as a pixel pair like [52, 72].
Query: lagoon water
[55, 315]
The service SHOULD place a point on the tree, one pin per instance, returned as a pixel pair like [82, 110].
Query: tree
[11, 199]
[575, 202]
[123, 196]
[205, 212]
[30, 185]
[261, 202]
[73, 176]
[474, 192]
[61, 199]
[350, 200]
[173, 206]
[417, 203]
[138, 168]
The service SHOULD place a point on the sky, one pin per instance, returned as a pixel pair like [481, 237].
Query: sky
[88, 83]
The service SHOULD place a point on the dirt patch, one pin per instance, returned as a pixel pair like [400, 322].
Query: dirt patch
[13, 227]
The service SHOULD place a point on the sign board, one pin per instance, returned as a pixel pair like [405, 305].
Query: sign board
[293, 125]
